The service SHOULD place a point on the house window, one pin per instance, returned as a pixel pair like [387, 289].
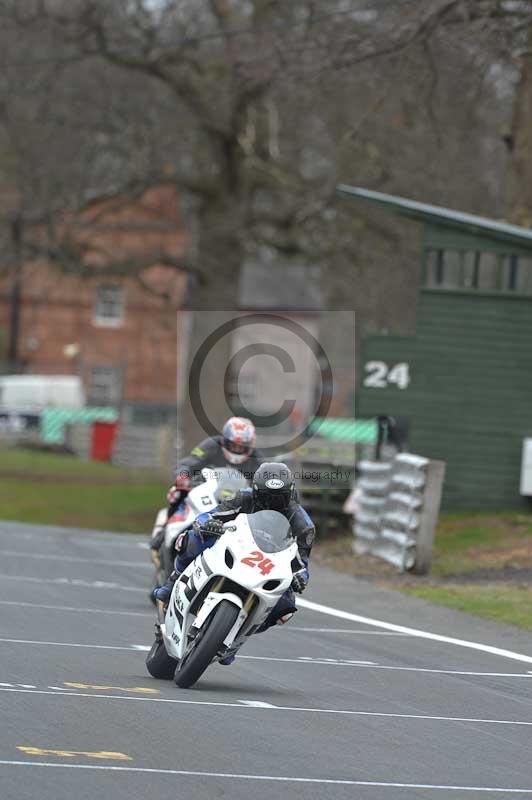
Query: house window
[105, 387]
[109, 305]
[482, 271]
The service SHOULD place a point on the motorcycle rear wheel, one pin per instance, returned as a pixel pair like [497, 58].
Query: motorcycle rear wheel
[159, 664]
[207, 645]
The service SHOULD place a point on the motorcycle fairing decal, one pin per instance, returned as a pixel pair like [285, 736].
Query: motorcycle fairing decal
[178, 614]
[257, 559]
[196, 575]
[190, 590]
[206, 568]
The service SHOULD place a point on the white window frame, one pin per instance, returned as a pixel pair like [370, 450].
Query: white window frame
[109, 310]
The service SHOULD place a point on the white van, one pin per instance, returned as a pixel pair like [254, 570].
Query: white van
[27, 394]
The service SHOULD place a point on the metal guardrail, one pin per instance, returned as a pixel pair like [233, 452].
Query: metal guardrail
[145, 446]
[78, 439]
[396, 506]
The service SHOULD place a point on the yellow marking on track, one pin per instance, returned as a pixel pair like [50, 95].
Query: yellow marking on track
[137, 689]
[39, 751]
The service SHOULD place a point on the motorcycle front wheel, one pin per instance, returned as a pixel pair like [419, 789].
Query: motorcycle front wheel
[206, 645]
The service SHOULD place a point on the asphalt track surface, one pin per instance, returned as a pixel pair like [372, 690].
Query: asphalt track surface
[327, 707]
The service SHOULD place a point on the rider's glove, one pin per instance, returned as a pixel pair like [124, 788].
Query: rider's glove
[182, 483]
[211, 527]
[300, 580]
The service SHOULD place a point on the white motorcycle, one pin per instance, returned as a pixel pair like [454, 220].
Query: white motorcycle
[218, 484]
[224, 596]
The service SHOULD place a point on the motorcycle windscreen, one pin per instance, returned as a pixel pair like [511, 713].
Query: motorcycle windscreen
[229, 482]
[271, 531]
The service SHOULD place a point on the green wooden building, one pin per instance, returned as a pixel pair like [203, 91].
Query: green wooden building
[464, 381]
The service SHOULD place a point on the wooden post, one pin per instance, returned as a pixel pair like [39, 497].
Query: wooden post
[428, 520]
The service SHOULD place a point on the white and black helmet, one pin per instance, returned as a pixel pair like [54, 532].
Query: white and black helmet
[273, 486]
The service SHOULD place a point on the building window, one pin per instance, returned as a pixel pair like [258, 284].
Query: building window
[516, 274]
[477, 270]
[109, 305]
[105, 386]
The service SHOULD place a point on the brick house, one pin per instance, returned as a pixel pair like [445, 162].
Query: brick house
[118, 333]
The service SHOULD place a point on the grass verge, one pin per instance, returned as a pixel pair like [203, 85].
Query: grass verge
[50, 489]
[482, 564]
[468, 543]
[500, 602]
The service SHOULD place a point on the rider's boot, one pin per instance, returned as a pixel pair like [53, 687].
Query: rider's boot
[227, 660]
[163, 592]
[281, 613]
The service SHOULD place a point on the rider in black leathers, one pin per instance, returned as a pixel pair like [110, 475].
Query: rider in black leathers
[272, 488]
[234, 448]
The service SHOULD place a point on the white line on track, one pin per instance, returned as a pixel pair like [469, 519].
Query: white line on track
[256, 704]
[69, 644]
[79, 610]
[346, 663]
[335, 661]
[347, 630]
[300, 660]
[19, 685]
[311, 606]
[60, 688]
[74, 582]
[273, 778]
[378, 623]
[151, 614]
[109, 562]
[293, 709]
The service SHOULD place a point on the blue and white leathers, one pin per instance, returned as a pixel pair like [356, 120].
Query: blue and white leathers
[251, 565]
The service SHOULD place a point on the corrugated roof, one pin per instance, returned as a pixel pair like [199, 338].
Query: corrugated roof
[446, 217]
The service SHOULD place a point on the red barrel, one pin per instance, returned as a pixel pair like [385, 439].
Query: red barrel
[103, 440]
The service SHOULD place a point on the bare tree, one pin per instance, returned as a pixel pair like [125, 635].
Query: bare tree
[254, 109]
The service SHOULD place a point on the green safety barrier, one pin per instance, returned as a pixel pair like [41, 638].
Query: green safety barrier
[361, 431]
[54, 420]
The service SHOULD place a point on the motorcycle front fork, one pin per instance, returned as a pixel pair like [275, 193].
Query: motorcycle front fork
[161, 612]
